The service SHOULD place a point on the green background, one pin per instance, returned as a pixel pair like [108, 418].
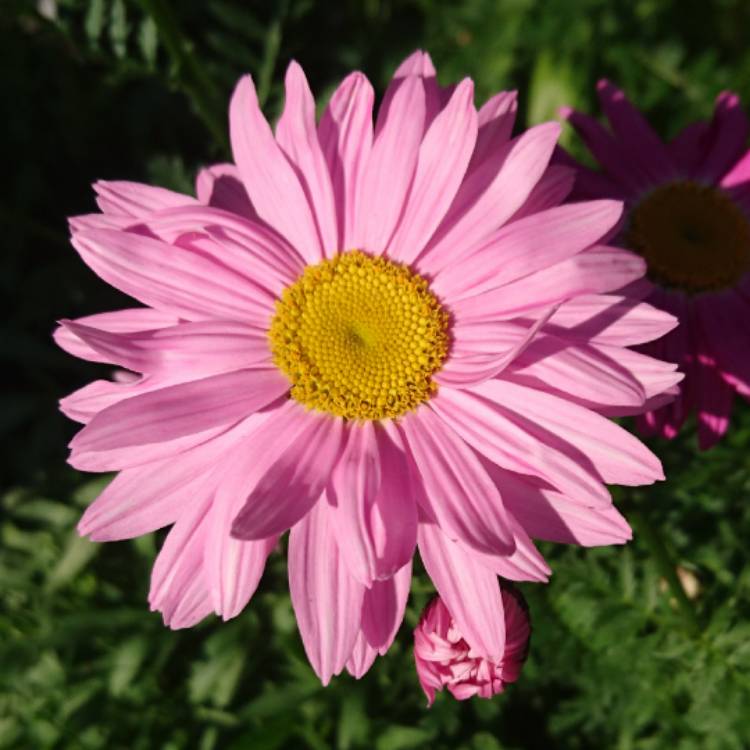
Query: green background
[139, 90]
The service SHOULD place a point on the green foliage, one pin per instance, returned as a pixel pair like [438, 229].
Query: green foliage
[138, 90]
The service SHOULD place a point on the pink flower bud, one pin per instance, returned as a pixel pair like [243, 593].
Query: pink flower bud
[445, 659]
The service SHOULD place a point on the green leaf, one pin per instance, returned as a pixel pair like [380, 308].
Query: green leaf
[77, 554]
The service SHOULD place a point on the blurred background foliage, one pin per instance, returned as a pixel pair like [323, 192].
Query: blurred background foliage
[126, 89]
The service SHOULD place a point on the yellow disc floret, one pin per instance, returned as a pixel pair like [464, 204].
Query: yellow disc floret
[693, 237]
[359, 337]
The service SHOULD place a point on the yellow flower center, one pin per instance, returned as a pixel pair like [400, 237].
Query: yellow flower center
[359, 337]
[693, 237]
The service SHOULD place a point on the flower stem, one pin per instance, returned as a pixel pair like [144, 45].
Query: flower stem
[192, 75]
[668, 569]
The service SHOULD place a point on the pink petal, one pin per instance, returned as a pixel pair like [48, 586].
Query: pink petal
[372, 513]
[476, 361]
[738, 176]
[300, 450]
[118, 321]
[610, 319]
[146, 498]
[362, 657]
[355, 483]
[345, 134]
[551, 190]
[327, 600]
[496, 118]
[383, 608]
[490, 196]
[616, 455]
[178, 585]
[443, 157]
[176, 280]
[390, 169]
[85, 403]
[136, 200]
[549, 515]
[194, 350]
[170, 420]
[528, 245]
[458, 492]
[469, 590]
[419, 65]
[220, 186]
[250, 249]
[233, 567]
[297, 135]
[600, 269]
[509, 441]
[270, 181]
[580, 371]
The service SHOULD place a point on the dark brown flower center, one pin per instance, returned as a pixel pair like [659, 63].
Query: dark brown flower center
[693, 237]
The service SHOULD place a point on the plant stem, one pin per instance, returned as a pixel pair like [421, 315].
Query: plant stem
[667, 567]
[196, 83]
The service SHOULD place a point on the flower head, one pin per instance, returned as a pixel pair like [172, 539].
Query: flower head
[376, 335]
[687, 213]
[444, 659]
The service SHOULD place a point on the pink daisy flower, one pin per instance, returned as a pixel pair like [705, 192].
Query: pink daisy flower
[444, 659]
[378, 336]
[687, 213]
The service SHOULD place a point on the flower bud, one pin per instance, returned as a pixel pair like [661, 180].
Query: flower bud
[444, 659]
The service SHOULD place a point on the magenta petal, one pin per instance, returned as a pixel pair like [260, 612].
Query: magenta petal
[304, 448]
[724, 332]
[726, 139]
[327, 600]
[469, 589]
[270, 180]
[458, 492]
[638, 138]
